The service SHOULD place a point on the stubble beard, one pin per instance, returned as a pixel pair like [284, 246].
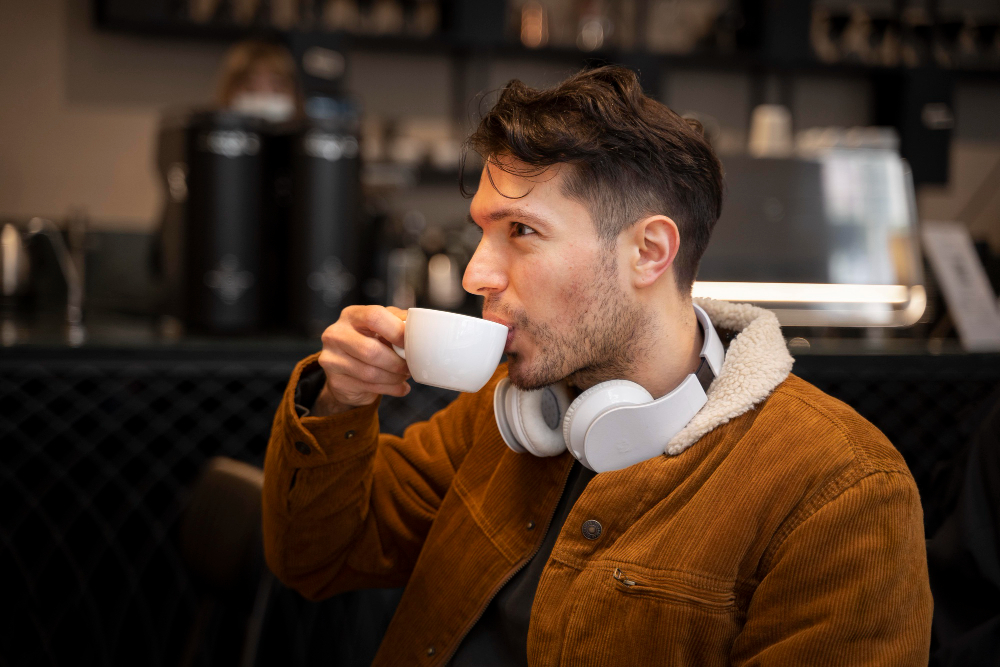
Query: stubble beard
[605, 341]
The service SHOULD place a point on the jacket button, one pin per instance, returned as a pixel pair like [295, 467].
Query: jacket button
[303, 447]
[591, 529]
[349, 435]
[430, 650]
[531, 525]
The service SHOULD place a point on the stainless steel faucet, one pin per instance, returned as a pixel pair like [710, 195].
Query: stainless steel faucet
[72, 269]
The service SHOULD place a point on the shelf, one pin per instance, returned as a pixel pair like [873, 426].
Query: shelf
[452, 45]
[473, 36]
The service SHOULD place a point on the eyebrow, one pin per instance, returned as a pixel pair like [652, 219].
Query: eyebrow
[520, 214]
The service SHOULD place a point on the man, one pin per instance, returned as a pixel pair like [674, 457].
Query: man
[778, 527]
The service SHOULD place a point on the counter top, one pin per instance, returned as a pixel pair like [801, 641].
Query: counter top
[136, 335]
[117, 331]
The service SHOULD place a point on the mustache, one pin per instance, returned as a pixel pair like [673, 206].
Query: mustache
[518, 318]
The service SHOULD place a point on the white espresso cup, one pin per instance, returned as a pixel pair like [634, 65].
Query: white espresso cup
[451, 351]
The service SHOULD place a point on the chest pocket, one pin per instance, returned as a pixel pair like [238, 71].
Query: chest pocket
[653, 616]
[672, 586]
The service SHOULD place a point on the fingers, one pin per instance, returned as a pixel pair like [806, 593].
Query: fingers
[344, 364]
[386, 322]
[357, 392]
[373, 352]
[357, 358]
[344, 338]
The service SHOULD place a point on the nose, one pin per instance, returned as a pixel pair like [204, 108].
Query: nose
[485, 273]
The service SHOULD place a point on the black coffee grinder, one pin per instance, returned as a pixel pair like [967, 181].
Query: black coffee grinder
[225, 273]
[325, 262]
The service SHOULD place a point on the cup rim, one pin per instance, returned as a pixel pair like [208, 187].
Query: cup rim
[456, 315]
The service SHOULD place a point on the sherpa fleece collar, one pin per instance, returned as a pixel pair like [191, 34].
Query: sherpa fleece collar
[757, 361]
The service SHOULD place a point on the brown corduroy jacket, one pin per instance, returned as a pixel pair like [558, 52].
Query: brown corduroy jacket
[779, 528]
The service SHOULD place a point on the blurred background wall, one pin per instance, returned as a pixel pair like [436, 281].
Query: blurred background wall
[81, 108]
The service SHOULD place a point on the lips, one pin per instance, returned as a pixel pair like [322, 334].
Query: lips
[510, 329]
[498, 320]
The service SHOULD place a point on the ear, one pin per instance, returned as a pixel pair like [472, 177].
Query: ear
[656, 241]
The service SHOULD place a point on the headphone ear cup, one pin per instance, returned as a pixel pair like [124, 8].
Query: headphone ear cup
[536, 418]
[500, 394]
[591, 404]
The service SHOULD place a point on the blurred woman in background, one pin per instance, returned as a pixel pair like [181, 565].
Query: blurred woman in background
[259, 79]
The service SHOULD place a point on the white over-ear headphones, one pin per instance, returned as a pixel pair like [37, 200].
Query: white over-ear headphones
[612, 425]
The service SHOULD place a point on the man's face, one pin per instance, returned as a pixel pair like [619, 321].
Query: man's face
[546, 274]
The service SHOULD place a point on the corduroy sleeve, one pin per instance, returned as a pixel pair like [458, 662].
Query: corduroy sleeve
[847, 586]
[345, 507]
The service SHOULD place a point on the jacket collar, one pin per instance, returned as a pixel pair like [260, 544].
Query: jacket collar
[757, 361]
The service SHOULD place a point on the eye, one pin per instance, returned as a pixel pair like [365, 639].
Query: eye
[521, 229]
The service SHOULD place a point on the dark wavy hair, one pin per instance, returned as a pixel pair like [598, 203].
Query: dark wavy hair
[632, 156]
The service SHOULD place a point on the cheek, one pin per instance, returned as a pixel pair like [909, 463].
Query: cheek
[559, 301]
[556, 289]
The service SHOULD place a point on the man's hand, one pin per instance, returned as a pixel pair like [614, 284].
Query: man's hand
[359, 361]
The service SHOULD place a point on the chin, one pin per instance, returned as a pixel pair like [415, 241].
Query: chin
[526, 378]
[516, 368]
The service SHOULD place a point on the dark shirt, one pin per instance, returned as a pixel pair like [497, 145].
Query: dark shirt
[308, 389]
[500, 636]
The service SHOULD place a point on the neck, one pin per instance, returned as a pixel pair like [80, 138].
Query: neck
[674, 351]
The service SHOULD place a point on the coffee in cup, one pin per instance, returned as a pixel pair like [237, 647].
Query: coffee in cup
[451, 351]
